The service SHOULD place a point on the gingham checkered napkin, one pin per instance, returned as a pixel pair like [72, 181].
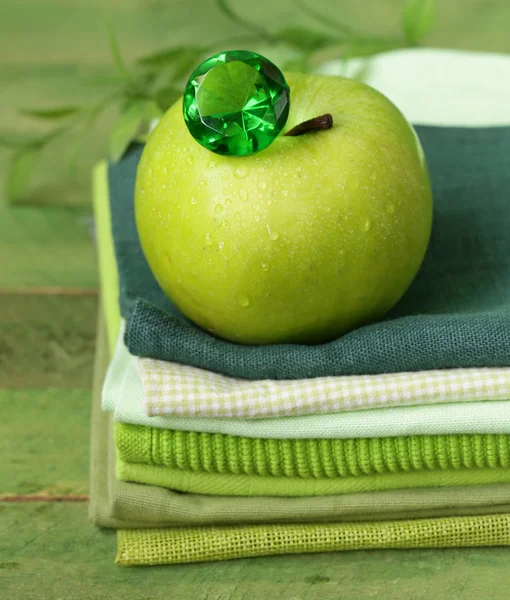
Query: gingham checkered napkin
[174, 389]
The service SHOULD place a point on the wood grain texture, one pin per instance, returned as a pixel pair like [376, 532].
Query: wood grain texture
[47, 341]
[44, 446]
[50, 247]
[50, 551]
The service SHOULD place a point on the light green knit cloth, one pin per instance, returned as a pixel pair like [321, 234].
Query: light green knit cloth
[222, 484]
[308, 458]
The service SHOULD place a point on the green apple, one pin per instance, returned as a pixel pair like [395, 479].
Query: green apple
[300, 243]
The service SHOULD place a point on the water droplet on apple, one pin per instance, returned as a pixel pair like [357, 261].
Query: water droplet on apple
[257, 218]
[208, 239]
[228, 201]
[269, 202]
[243, 194]
[220, 245]
[241, 172]
[390, 209]
[190, 160]
[367, 225]
[193, 200]
[256, 207]
[224, 223]
[265, 266]
[243, 300]
[285, 193]
[273, 235]
[218, 208]
[262, 185]
[261, 169]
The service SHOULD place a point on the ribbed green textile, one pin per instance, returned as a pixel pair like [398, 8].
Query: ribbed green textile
[456, 313]
[308, 458]
[222, 484]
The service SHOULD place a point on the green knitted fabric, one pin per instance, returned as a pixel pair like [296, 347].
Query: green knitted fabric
[226, 484]
[308, 458]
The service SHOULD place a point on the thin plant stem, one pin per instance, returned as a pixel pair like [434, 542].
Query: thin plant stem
[325, 20]
[226, 9]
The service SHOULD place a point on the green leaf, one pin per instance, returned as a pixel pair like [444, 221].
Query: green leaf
[299, 64]
[18, 176]
[236, 18]
[418, 19]
[22, 140]
[172, 65]
[326, 20]
[15, 139]
[151, 110]
[126, 129]
[117, 56]
[166, 96]
[305, 39]
[170, 55]
[51, 114]
[359, 47]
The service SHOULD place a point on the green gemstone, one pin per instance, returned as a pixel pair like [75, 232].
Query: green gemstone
[236, 103]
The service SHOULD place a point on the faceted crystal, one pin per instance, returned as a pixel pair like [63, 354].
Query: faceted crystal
[236, 103]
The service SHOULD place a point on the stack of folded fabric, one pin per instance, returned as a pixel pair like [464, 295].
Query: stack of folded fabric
[396, 435]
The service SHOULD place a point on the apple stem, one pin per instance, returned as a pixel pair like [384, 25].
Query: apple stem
[320, 123]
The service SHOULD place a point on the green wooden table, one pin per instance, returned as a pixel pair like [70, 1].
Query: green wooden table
[55, 52]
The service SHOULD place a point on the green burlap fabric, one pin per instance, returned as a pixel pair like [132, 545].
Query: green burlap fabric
[456, 313]
[171, 546]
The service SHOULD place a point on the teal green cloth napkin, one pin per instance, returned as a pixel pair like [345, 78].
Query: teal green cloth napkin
[456, 313]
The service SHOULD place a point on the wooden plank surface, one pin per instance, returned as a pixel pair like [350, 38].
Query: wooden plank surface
[46, 341]
[54, 553]
[45, 448]
[46, 248]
